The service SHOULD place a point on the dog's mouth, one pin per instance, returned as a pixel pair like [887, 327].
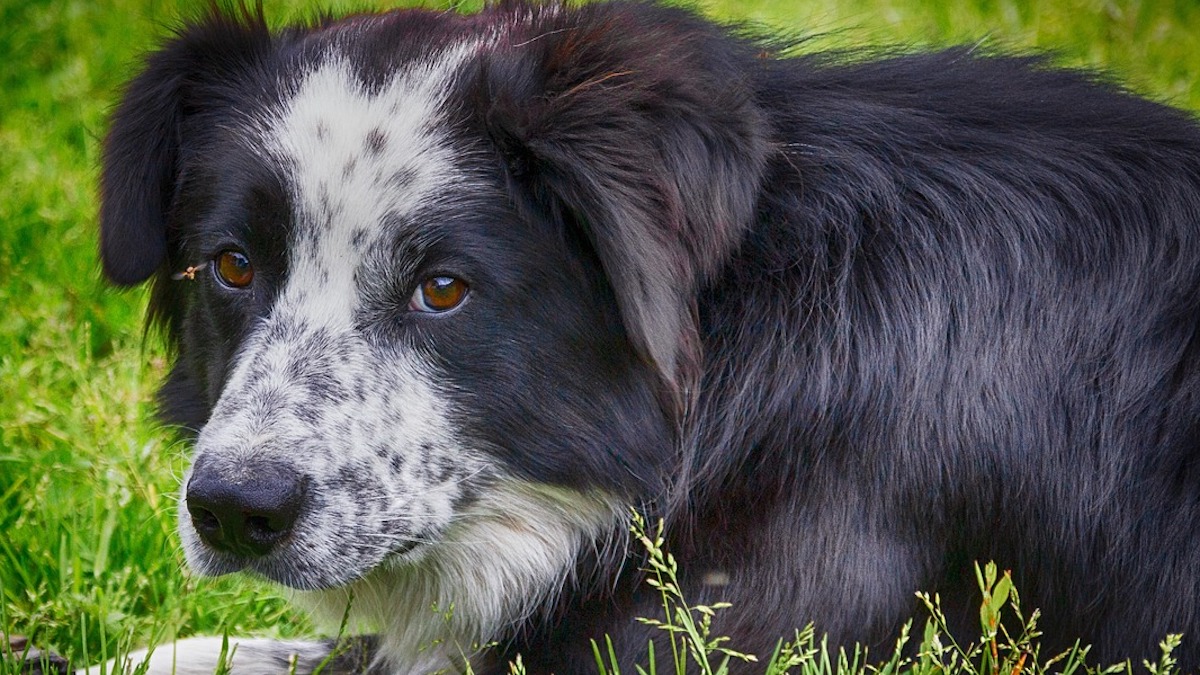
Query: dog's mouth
[298, 553]
[273, 520]
[296, 567]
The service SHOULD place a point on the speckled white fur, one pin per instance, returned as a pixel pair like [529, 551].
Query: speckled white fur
[357, 159]
[507, 554]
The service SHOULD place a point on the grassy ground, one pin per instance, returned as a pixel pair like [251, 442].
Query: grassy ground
[88, 560]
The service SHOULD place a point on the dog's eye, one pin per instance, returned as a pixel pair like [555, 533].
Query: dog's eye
[234, 269]
[438, 294]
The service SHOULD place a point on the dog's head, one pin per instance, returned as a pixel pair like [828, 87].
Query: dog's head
[415, 263]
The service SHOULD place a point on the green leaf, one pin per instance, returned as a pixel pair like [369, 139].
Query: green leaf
[1000, 593]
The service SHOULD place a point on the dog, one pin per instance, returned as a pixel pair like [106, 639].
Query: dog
[452, 296]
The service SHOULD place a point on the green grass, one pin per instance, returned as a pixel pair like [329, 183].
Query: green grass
[1007, 641]
[88, 559]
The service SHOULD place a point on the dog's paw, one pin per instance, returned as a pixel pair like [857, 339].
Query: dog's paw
[33, 661]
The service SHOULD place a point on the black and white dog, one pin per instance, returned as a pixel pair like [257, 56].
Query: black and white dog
[451, 294]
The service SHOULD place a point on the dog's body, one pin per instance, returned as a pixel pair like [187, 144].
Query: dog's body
[452, 294]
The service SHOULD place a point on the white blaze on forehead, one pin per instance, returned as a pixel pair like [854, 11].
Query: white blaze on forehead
[357, 158]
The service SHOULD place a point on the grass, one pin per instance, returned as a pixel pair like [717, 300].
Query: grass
[89, 564]
[997, 649]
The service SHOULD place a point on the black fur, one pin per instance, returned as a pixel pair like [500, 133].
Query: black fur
[850, 325]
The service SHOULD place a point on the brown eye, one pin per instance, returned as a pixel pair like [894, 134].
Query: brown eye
[438, 294]
[234, 269]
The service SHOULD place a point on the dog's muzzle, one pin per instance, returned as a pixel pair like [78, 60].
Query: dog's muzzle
[247, 510]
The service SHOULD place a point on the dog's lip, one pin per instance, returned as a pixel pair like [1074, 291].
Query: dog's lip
[213, 563]
[406, 550]
[282, 567]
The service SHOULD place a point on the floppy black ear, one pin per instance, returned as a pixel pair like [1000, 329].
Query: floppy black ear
[642, 121]
[140, 160]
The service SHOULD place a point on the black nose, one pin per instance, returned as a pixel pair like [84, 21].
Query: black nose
[247, 510]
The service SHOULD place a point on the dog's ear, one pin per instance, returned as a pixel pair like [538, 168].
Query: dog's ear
[141, 153]
[642, 121]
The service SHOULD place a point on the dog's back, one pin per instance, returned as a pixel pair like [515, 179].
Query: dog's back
[973, 286]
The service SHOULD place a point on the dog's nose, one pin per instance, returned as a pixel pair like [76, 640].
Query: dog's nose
[247, 512]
